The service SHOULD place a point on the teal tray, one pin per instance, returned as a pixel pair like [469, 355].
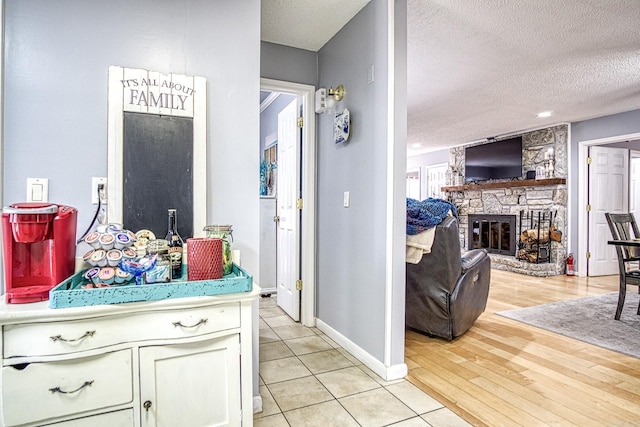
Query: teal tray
[69, 293]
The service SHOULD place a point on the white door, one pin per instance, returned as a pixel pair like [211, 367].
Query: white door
[608, 192]
[413, 184]
[288, 233]
[634, 185]
[436, 179]
[192, 382]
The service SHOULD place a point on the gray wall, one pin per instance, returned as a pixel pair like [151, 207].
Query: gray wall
[428, 159]
[601, 127]
[288, 64]
[351, 242]
[57, 56]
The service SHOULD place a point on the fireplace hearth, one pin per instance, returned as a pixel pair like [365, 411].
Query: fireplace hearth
[495, 233]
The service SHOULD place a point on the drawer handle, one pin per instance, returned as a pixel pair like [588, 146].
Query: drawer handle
[59, 390]
[86, 334]
[200, 322]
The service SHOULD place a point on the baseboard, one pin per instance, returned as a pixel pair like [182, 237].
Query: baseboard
[257, 404]
[388, 373]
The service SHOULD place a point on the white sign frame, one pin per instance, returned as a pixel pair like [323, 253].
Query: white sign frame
[143, 91]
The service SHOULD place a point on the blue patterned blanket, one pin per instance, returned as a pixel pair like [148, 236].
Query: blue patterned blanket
[426, 214]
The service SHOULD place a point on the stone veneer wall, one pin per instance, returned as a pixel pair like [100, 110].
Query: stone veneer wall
[510, 201]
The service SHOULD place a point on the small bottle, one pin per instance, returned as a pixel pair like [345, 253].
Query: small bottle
[175, 245]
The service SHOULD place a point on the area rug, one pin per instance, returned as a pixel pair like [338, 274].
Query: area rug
[589, 319]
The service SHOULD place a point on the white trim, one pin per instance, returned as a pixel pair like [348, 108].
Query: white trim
[612, 139]
[1, 132]
[569, 192]
[257, 404]
[308, 229]
[582, 213]
[388, 280]
[583, 226]
[388, 373]
[199, 156]
[268, 101]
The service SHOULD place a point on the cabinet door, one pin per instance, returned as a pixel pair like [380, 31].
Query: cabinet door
[195, 384]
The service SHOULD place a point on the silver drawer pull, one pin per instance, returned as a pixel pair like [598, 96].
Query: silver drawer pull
[200, 322]
[86, 334]
[59, 390]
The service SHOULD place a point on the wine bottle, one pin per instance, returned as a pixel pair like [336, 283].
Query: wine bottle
[175, 245]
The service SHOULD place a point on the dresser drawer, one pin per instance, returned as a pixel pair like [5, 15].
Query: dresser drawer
[122, 418]
[41, 391]
[55, 338]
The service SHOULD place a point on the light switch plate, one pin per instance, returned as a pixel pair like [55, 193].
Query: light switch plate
[37, 189]
[346, 200]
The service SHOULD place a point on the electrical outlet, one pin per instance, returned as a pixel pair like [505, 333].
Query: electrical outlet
[95, 181]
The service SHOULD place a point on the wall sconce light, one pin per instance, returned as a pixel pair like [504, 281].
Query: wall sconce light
[326, 99]
[337, 93]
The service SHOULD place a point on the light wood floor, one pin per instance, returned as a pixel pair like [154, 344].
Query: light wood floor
[505, 373]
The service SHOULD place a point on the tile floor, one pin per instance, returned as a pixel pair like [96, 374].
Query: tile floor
[306, 379]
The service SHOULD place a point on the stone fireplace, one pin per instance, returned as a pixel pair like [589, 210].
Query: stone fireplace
[498, 198]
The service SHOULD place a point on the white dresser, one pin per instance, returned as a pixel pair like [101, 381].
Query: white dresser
[175, 362]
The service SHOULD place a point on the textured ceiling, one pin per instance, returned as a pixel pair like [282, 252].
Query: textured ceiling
[485, 68]
[306, 24]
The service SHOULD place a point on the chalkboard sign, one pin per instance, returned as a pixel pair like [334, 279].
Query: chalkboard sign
[157, 172]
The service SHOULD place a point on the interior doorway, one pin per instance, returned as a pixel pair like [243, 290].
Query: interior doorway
[305, 257]
[590, 229]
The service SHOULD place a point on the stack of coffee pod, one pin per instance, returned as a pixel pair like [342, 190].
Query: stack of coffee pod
[143, 237]
[110, 244]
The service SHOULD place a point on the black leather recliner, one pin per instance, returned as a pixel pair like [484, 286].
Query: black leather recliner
[446, 292]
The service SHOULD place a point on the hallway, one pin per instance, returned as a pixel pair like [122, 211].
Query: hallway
[306, 379]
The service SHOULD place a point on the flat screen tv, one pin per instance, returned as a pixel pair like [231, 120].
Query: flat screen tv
[495, 160]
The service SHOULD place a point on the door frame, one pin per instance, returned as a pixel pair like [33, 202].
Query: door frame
[308, 220]
[583, 224]
[2, 289]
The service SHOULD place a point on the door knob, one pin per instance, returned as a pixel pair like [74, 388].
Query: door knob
[147, 405]
[276, 219]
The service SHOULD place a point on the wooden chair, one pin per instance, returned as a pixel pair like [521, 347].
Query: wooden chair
[623, 227]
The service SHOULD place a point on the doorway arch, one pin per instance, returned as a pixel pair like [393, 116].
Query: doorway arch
[583, 222]
[308, 164]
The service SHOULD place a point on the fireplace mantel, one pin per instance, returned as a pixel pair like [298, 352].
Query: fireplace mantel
[506, 184]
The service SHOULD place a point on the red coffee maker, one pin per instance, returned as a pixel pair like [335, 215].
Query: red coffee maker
[39, 249]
